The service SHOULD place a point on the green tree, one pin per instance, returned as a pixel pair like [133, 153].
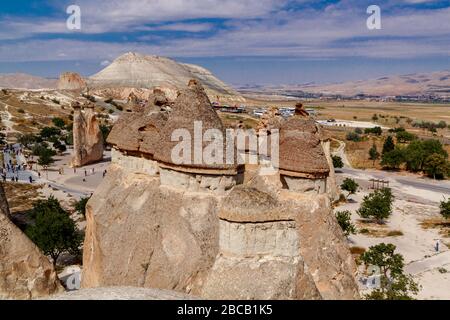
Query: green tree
[415, 155]
[46, 158]
[349, 185]
[388, 145]
[394, 284]
[80, 205]
[445, 208]
[374, 155]
[27, 140]
[68, 139]
[405, 136]
[337, 162]
[376, 131]
[48, 132]
[436, 166]
[53, 231]
[377, 205]
[353, 136]
[393, 159]
[58, 122]
[345, 222]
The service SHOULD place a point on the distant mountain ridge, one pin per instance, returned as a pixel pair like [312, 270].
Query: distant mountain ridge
[434, 83]
[25, 81]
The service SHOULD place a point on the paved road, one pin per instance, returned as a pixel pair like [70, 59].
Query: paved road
[24, 176]
[393, 177]
[414, 182]
[430, 263]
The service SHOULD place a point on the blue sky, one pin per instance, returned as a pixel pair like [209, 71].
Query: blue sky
[241, 41]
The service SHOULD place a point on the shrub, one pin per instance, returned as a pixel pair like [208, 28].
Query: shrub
[337, 162]
[377, 205]
[58, 122]
[353, 136]
[376, 131]
[445, 208]
[48, 132]
[349, 185]
[345, 222]
[405, 136]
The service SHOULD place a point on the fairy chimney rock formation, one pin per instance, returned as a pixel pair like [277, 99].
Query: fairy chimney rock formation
[88, 142]
[25, 273]
[195, 227]
[71, 81]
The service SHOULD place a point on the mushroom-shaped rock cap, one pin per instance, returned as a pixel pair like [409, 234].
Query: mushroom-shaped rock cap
[193, 108]
[301, 153]
[247, 204]
[137, 131]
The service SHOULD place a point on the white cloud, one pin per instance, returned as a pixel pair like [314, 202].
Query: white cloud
[105, 63]
[338, 31]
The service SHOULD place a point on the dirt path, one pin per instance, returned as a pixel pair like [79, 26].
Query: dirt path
[6, 119]
[341, 153]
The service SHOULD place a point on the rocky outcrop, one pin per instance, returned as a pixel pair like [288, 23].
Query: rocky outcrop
[259, 251]
[71, 81]
[198, 228]
[88, 142]
[25, 273]
[122, 293]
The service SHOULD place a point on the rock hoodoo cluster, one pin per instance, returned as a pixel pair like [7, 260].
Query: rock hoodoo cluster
[198, 228]
[88, 142]
[25, 273]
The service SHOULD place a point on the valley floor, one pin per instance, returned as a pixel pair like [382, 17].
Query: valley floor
[413, 226]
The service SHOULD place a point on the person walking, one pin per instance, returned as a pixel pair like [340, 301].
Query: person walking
[436, 247]
[31, 179]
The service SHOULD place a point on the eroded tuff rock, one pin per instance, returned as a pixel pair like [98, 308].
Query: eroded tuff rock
[122, 293]
[25, 273]
[87, 137]
[199, 229]
[71, 81]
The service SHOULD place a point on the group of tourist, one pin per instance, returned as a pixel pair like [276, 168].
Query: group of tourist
[13, 169]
